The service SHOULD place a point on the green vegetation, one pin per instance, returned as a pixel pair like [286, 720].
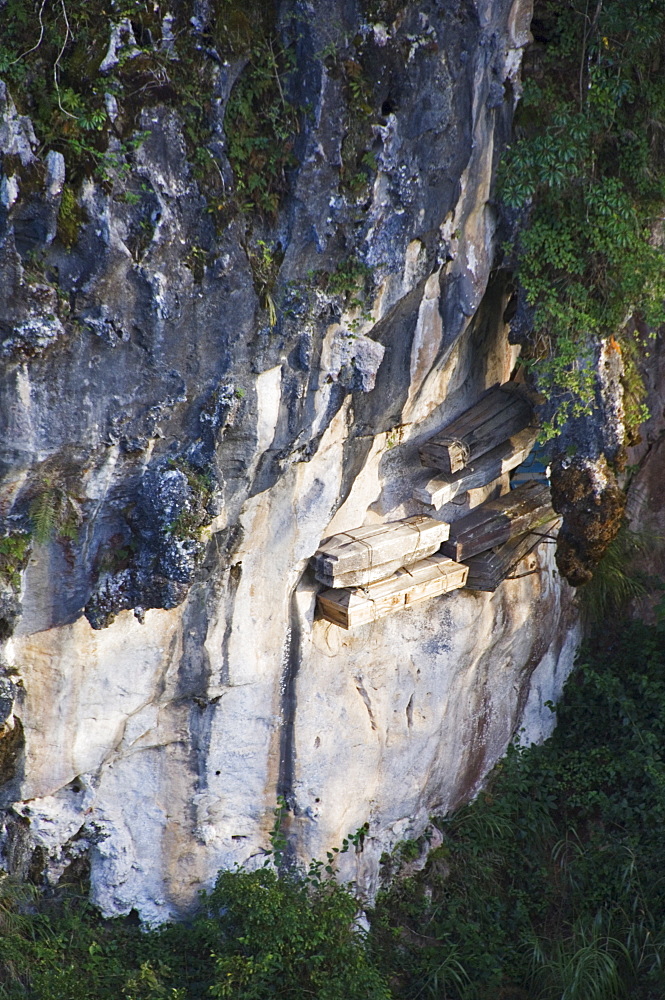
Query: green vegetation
[195, 515]
[14, 552]
[633, 351]
[348, 279]
[54, 511]
[196, 260]
[258, 934]
[50, 57]
[358, 160]
[265, 260]
[351, 281]
[346, 59]
[70, 217]
[549, 886]
[618, 579]
[295, 935]
[261, 123]
[587, 169]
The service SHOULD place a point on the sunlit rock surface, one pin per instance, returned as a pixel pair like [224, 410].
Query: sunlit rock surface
[157, 742]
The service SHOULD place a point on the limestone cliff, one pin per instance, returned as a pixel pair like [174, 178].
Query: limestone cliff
[198, 386]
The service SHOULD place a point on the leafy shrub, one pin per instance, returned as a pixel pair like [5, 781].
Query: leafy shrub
[617, 579]
[14, 552]
[70, 217]
[50, 57]
[260, 123]
[297, 933]
[54, 511]
[586, 170]
[258, 934]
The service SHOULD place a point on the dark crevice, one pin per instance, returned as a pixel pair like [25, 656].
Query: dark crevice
[360, 688]
[287, 749]
[235, 574]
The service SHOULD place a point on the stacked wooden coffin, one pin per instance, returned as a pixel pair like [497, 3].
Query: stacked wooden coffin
[442, 489]
[378, 569]
[497, 521]
[488, 569]
[494, 537]
[375, 570]
[358, 605]
[490, 439]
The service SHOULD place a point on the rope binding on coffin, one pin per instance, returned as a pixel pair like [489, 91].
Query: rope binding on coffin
[416, 528]
[365, 588]
[368, 596]
[441, 570]
[453, 442]
[412, 555]
[370, 549]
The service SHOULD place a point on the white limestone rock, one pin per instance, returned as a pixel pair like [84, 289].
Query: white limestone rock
[158, 741]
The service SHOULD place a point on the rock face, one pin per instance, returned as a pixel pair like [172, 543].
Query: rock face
[588, 496]
[586, 456]
[189, 408]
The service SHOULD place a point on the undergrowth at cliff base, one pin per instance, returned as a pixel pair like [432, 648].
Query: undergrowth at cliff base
[549, 886]
[258, 934]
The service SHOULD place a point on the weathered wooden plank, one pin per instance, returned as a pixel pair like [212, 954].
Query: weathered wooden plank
[496, 521]
[498, 415]
[508, 455]
[474, 434]
[483, 409]
[361, 556]
[489, 569]
[427, 578]
[485, 405]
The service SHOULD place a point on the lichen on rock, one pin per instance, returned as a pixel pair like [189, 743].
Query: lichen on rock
[593, 507]
[163, 550]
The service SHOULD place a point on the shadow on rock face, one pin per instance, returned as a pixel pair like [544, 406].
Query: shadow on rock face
[585, 492]
[12, 742]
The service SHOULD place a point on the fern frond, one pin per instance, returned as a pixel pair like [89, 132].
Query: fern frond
[616, 580]
[45, 511]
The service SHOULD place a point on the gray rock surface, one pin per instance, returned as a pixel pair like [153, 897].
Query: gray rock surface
[170, 675]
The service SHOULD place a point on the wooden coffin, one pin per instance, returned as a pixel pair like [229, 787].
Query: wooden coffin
[496, 521]
[508, 455]
[501, 412]
[489, 569]
[359, 557]
[357, 606]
